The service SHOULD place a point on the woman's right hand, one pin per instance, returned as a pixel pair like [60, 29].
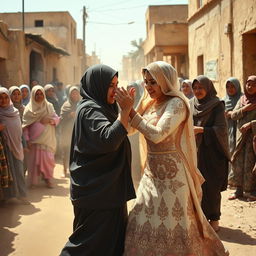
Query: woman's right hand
[125, 99]
[45, 120]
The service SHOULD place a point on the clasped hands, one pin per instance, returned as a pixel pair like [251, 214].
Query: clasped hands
[47, 120]
[125, 98]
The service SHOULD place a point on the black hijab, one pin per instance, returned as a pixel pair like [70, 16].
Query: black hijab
[204, 109]
[100, 158]
[95, 84]
[204, 106]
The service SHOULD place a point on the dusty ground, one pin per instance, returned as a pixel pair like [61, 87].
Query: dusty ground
[42, 228]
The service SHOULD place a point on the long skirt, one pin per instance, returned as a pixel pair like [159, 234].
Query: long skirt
[40, 162]
[97, 232]
[17, 188]
[165, 218]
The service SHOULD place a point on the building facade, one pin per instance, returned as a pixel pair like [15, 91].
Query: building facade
[167, 36]
[222, 40]
[48, 50]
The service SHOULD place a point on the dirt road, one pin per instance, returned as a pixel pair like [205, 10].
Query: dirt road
[43, 227]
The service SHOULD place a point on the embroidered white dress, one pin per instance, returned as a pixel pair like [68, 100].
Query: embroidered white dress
[164, 221]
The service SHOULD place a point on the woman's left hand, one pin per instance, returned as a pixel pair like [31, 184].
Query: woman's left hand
[245, 128]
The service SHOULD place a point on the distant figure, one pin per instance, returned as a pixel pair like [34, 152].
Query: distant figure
[39, 122]
[233, 94]
[186, 88]
[51, 97]
[34, 83]
[16, 98]
[243, 159]
[213, 154]
[10, 127]
[60, 93]
[25, 92]
[67, 118]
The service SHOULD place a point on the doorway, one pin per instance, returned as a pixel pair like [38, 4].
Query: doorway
[36, 68]
[249, 54]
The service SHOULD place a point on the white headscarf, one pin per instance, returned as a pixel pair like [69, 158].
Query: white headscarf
[34, 112]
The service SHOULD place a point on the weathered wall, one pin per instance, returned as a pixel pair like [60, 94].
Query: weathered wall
[222, 51]
[60, 30]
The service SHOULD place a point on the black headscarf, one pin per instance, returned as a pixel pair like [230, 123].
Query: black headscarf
[100, 159]
[95, 84]
[205, 105]
[204, 108]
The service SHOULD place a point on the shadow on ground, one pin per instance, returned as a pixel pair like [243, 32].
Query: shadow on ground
[236, 236]
[40, 191]
[11, 213]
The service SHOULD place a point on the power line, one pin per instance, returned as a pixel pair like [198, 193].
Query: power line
[106, 23]
[128, 8]
[109, 5]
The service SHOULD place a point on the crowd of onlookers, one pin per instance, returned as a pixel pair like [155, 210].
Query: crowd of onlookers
[35, 129]
[240, 114]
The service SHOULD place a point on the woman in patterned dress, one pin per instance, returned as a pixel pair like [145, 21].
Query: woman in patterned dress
[167, 218]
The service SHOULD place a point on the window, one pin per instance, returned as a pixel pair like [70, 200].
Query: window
[199, 3]
[39, 23]
[200, 65]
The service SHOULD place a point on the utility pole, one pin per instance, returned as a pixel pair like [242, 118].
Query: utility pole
[23, 17]
[84, 27]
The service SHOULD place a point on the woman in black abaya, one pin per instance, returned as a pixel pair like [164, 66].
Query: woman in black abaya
[100, 166]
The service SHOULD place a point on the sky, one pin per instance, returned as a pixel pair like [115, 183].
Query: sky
[108, 31]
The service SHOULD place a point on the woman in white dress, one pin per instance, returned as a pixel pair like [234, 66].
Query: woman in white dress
[167, 218]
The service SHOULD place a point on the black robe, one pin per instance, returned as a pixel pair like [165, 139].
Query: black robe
[100, 171]
[213, 157]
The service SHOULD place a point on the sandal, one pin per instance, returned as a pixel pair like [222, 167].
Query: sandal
[237, 194]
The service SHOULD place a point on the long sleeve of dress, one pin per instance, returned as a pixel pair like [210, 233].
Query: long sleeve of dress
[237, 112]
[172, 117]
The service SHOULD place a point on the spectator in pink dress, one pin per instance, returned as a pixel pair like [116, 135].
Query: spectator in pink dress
[39, 122]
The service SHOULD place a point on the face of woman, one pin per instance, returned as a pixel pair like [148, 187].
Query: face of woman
[251, 87]
[199, 90]
[39, 96]
[231, 89]
[50, 93]
[152, 87]
[24, 93]
[4, 100]
[111, 90]
[186, 89]
[75, 96]
[16, 96]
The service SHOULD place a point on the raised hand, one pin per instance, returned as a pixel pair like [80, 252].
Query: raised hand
[124, 98]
